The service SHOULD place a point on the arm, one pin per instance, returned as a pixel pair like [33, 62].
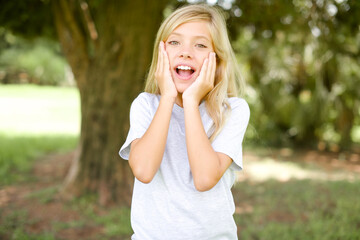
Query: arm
[147, 152]
[207, 166]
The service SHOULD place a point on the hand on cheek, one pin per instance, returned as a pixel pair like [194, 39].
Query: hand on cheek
[204, 83]
[163, 74]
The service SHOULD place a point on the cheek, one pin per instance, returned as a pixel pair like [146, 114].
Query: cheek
[170, 56]
[203, 57]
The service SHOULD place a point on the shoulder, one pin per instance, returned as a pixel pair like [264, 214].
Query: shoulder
[239, 107]
[145, 102]
[146, 98]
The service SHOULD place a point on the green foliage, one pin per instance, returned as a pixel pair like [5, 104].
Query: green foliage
[38, 61]
[299, 57]
[301, 61]
[30, 18]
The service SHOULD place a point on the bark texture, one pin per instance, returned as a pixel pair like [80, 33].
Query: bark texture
[108, 45]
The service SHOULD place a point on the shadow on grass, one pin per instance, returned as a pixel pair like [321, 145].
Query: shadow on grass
[298, 209]
[298, 194]
[17, 153]
[300, 206]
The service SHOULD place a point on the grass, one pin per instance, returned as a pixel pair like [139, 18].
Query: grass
[115, 220]
[38, 120]
[298, 209]
[34, 121]
[34, 110]
[13, 227]
[17, 153]
[45, 195]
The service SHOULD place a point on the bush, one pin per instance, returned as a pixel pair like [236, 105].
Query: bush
[32, 61]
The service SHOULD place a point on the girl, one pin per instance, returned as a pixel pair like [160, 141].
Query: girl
[186, 130]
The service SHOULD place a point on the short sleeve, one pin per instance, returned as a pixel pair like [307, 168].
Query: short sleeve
[229, 141]
[140, 119]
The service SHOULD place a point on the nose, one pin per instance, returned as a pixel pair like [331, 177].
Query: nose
[185, 52]
[185, 55]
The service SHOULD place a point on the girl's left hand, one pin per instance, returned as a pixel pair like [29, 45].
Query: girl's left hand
[204, 83]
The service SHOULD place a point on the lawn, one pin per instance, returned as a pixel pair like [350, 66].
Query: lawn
[281, 194]
[33, 110]
[34, 121]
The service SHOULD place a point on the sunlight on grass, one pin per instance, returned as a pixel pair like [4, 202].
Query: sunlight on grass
[34, 121]
[39, 110]
[355, 135]
[288, 164]
[272, 169]
[280, 194]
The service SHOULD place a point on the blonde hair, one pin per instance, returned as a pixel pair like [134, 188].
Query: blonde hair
[228, 81]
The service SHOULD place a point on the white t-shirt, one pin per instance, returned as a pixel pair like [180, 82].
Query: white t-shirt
[170, 207]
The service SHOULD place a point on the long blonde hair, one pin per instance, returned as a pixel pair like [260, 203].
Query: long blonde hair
[228, 81]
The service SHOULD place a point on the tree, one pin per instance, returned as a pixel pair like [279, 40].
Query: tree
[108, 45]
[303, 58]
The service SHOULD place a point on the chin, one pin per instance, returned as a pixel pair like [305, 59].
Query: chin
[181, 87]
[180, 90]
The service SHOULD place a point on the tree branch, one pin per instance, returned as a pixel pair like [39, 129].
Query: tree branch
[72, 39]
[71, 22]
[89, 21]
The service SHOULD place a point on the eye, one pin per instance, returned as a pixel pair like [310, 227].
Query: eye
[173, 42]
[201, 45]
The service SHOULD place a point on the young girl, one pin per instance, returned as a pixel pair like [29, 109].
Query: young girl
[186, 130]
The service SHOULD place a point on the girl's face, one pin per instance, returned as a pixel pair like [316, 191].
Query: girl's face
[187, 47]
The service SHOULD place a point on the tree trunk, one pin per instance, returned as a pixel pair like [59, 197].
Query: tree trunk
[109, 48]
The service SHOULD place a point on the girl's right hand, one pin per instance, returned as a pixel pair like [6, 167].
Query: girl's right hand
[163, 74]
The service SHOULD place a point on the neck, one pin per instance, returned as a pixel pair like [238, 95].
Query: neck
[178, 100]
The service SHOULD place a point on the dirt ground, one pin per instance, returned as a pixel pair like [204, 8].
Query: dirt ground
[51, 170]
[48, 173]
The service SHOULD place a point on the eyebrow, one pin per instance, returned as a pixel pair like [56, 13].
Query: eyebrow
[196, 36]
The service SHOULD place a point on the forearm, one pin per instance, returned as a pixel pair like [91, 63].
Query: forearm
[204, 161]
[147, 152]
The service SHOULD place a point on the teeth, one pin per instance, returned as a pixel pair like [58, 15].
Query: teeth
[184, 67]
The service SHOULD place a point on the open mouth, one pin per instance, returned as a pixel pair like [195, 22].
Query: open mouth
[184, 72]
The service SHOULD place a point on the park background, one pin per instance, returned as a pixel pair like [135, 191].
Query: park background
[70, 69]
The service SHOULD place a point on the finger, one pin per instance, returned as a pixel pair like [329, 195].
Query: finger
[212, 67]
[209, 68]
[166, 60]
[204, 67]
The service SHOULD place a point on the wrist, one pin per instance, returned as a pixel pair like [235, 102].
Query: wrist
[191, 102]
[167, 99]
[191, 98]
